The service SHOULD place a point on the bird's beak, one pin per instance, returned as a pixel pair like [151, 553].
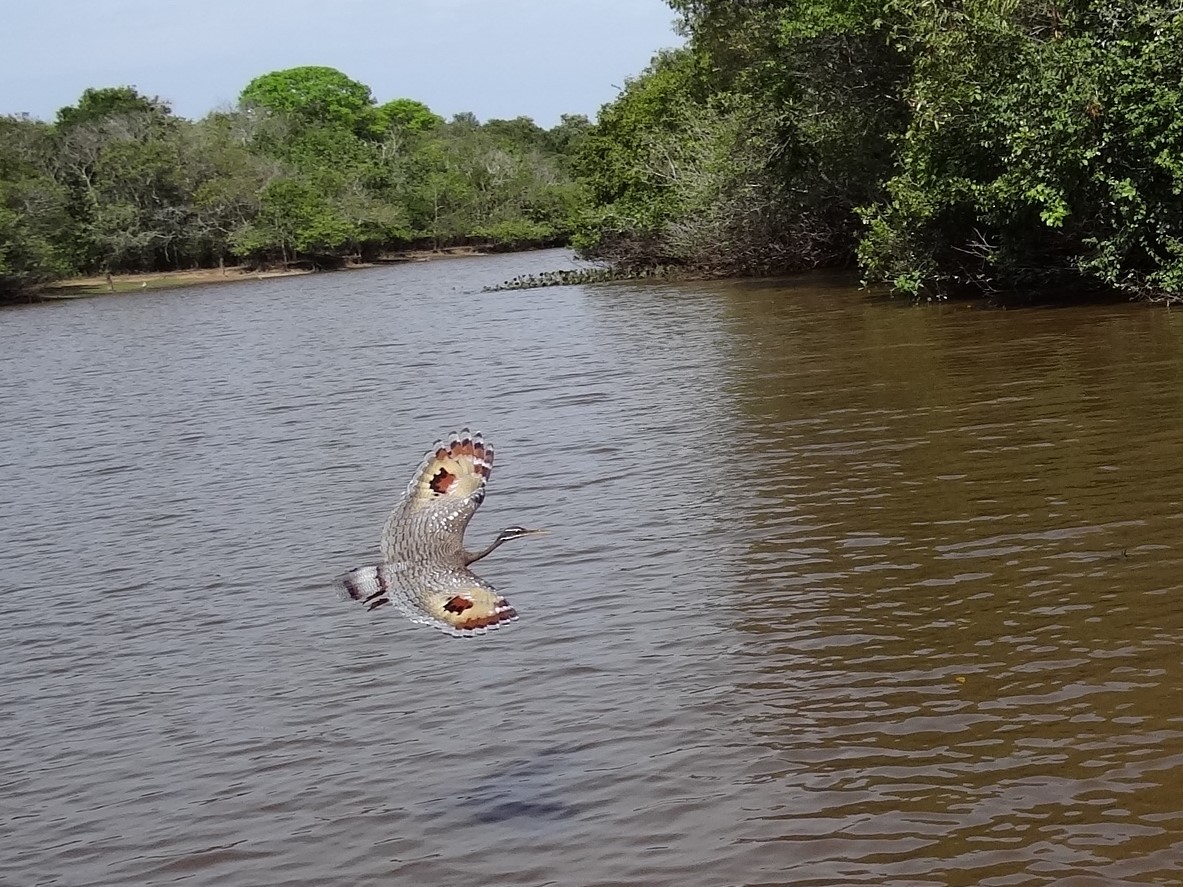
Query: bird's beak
[538, 532]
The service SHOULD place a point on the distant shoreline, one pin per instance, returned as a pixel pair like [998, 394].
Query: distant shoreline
[96, 285]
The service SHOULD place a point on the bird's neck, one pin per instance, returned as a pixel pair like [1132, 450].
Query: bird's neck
[472, 558]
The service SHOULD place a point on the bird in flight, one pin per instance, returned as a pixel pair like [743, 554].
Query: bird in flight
[424, 570]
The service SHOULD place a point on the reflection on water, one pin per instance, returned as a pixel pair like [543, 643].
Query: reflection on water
[977, 512]
[837, 591]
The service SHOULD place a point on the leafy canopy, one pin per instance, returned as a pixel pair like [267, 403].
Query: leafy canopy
[312, 94]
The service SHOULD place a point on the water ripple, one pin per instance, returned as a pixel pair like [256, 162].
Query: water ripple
[837, 591]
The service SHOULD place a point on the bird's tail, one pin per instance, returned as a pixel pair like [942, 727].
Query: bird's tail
[373, 585]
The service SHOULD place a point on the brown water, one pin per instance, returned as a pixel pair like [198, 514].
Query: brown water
[837, 592]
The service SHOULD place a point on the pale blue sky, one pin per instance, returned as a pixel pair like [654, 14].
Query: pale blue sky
[496, 58]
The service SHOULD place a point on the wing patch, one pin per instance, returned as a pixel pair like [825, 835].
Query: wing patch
[458, 604]
[486, 610]
[442, 482]
[459, 467]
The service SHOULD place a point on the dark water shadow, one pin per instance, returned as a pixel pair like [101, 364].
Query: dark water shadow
[529, 789]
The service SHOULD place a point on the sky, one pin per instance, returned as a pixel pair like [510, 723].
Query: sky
[495, 58]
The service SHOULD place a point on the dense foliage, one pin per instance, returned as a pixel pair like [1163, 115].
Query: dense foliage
[977, 144]
[306, 167]
[981, 144]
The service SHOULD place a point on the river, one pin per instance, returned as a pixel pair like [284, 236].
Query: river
[837, 590]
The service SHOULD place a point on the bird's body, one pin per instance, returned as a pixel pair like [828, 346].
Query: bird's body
[424, 570]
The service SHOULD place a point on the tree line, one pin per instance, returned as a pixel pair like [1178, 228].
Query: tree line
[942, 146]
[306, 167]
[938, 146]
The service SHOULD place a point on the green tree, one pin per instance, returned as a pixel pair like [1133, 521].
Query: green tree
[313, 95]
[294, 218]
[1044, 144]
[407, 116]
[983, 144]
[749, 149]
[34, 218]
[125, 174]
[99, 105]
[305, 168]
[117, 153]
[226, 179]
[565, 140]
[520, 133]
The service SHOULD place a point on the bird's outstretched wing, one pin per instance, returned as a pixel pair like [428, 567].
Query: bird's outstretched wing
[448, 487]
[452, 600]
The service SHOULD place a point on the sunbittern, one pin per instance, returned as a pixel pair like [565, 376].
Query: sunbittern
[424, 570]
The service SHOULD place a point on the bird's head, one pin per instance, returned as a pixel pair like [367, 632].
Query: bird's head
[517, 533]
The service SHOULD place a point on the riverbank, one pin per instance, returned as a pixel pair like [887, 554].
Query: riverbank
[77, 287]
